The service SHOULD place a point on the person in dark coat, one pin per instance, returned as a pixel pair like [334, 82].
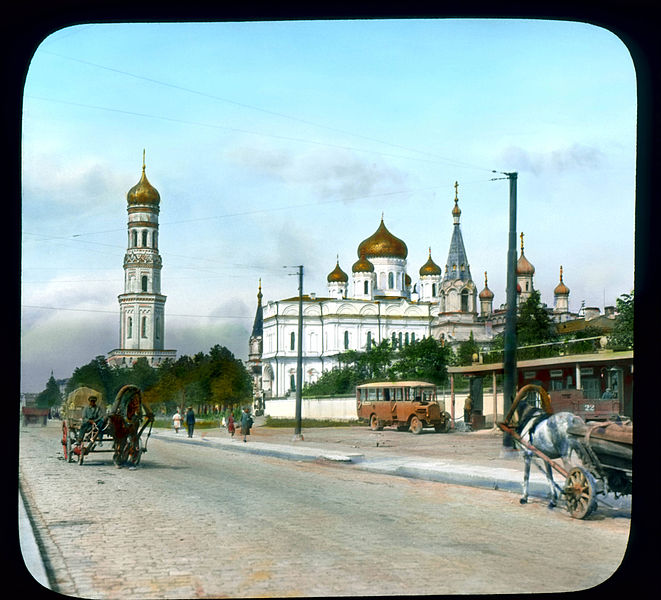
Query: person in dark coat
[92, 415]
[190, 421]
[246, 423]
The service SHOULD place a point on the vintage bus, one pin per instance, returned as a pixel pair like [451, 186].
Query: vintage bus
[408, 405]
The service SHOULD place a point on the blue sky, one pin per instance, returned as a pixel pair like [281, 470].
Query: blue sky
[282, 143]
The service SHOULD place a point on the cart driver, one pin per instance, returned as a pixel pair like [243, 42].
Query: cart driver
[91, 414]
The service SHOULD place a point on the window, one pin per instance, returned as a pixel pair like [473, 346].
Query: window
[366, 287]
[464, 301]
[292, 341]
[433, 289]
[135, 238]
[154, 239]
[144, 238]
[412, 338]
[369, 340]
[292, 382]
[391, 283]
[158, 328]
[129, 327]
[406, 339]
[346, 340]
[144, 327]
[144, 283]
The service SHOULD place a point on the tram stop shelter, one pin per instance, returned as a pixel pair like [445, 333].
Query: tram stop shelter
[579, 380]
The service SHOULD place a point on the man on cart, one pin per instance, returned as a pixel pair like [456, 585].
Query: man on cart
[92, 415]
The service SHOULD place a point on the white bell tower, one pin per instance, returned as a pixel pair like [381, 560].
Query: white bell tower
[142, 306]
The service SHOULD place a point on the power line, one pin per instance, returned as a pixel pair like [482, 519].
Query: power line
[251, 107]
[114, 312]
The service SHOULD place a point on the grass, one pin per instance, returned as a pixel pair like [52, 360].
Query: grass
[199, 424]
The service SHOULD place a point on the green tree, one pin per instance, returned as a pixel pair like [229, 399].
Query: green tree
[426, 359]
[466, 350]
[621, 337]
[51, 395]
[98, 375]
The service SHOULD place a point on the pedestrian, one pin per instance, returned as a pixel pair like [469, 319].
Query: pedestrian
[230, 425]
[246, 423]
[468, 410]
[176, 421]
[190, 421]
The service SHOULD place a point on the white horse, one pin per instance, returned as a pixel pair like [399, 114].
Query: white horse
[547, 433]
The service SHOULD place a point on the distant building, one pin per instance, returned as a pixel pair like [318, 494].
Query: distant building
[377, 302]
[142, 306]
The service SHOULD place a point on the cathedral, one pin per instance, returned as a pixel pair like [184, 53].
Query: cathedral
[380, 301]
[142, 306]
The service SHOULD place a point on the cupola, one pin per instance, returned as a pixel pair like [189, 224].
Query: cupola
[143, 192]
[382, 243]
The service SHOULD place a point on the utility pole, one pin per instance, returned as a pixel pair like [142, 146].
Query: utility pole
[509, 359]
[299, 363]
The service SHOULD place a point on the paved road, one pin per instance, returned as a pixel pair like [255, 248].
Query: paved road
[198, 520]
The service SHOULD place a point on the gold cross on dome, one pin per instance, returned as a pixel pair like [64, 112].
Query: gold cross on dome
[456, 190]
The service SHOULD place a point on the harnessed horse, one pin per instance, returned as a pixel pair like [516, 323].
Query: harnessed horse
[547, 433]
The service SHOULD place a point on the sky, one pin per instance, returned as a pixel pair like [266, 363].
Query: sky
[277, 144]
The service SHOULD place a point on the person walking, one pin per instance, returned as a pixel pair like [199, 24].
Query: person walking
[190, 421]
[246, 423]
[230, 425]
[468, 410]
[176, 421]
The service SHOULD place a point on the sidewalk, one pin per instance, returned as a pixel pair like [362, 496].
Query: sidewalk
[468, 458]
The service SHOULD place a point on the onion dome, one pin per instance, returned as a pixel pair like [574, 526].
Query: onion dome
[143, 192]
[523, 266]
[407, 280]
[486, 293]
[561, 288]
[430, 267]
[383, 243]
[337, 275]
[362, 265]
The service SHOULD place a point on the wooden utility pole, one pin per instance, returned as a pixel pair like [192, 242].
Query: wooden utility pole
[299, 363]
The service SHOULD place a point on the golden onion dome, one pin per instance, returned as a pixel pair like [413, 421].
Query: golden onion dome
[382, 243]
[407, 280]
[362, 265]
[523, 266]
[486, 293]
[561, 288]
[143, 192]
[430, 267]
[337, 275]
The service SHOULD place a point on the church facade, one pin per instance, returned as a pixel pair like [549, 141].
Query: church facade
[378, 302]
[142, 305]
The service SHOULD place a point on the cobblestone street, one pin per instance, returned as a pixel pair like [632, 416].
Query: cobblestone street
[197, 521]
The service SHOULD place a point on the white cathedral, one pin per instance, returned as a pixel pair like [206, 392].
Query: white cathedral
[142, 306]
[377, 302]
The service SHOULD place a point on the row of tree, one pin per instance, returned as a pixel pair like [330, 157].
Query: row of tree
[204, 381]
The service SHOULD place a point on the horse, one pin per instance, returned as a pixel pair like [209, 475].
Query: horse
[548, 434]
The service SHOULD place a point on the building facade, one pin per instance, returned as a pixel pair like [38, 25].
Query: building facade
[142, 305]
[378, 302]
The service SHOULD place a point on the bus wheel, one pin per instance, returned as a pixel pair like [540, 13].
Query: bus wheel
[374, 423]
[416, 425]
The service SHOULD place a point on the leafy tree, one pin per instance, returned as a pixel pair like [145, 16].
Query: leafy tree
[50, 396]
[466, 350]
[622, 336]
[339, 380]
[534, 324]
[426, 359]
[98, 375]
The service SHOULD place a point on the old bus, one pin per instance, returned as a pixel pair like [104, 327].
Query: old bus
[410, 405]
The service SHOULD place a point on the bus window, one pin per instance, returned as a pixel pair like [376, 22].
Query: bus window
[386, 395]
[398, 394]
[371, 394]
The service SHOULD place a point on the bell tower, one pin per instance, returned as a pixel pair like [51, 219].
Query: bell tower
[142, 306]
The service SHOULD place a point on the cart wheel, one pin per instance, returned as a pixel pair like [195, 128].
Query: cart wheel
[374, 423]
[81, 455]
[416, 425]
[581, 493]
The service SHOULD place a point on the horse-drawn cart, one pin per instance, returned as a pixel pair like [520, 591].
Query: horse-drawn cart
[605, 450]
[121, 427]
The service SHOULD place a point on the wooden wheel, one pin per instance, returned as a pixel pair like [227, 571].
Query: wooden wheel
[374, 423]
[581, 493]
[416, 425]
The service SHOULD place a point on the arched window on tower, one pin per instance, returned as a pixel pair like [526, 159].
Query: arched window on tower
[369, 340]
[464, 301]
[346, 340]
[366, 287]
[391, 281]
[433, 289]
[292, 341]
[144, 283]
[144, 238]
[135, 238]
[157, 328]
[144, 327]
[129, 327]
